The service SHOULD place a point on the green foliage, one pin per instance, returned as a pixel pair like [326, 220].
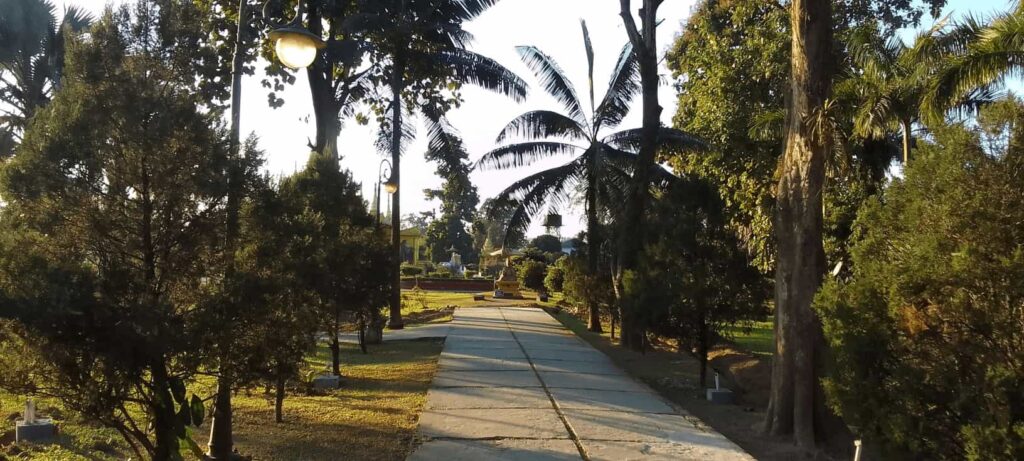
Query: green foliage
[457, 194]
[111, 239]
[531, 274]
[32, 53]
[490, 225]
[925, 335]
[555, 277]
[693, 279]
[740, 50]
[547, 243]
[409, 270]
[441, 273]
[580, 287]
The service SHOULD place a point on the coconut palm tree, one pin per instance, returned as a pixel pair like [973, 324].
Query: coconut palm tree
[424, 49]
[981, 57]
[32, 45]
[602, 164]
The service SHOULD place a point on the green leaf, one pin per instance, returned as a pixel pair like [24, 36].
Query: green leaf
[184, 415]
[178, 390]
[198, 410]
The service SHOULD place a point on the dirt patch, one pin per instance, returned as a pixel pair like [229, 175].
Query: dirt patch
[749, 375]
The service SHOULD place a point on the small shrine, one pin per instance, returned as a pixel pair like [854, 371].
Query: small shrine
[507, 285]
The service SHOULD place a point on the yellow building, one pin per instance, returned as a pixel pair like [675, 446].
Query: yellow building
[414, 246]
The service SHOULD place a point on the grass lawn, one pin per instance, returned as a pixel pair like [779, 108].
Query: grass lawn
[414, 302]
[755, 337]
[373, 416]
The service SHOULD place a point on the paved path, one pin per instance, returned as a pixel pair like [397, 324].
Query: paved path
[432, 330]
[513, 384]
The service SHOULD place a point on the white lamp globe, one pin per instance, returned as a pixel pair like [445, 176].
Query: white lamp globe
[296, 50]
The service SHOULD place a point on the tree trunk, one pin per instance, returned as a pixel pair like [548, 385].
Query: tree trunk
[397, 86]
[703, 344]
[279, 400]
[631, 238]
[321, 88]
[795, 398]
[221, 436]
[907, 137]
[221, 441]
[164, 417]
[593, 244]
[335, 353]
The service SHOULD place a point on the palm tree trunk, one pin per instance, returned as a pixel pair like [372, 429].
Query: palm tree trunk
[905, 124]
[593, 245]
[796, 399]
[397, 87]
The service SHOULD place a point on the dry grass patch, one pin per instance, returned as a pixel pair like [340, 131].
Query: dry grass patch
[373, 417]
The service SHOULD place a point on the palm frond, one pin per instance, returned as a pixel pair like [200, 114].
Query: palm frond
[474, 8]
[443, 140]
[475, 69]
[767, 126]
[523, 154]
[590, 62]
[668, 138]
[554, 81]
[384, 133]
[540, 124]
[529, 195]
[622, 88]
[625, 162]
[76, 19]
[986, 57]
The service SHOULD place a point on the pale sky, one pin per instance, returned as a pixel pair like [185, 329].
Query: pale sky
[551, 25]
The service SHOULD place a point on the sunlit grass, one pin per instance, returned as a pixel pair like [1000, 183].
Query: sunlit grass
[755, 337]
[372, 417]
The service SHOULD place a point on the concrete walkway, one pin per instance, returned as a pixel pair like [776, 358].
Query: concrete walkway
[513, 384]
[432, 330]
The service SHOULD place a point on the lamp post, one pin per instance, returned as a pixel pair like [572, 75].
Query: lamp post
[296, 48]
[389, 185]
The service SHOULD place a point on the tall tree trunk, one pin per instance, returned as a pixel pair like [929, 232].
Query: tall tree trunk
[279, 400]
[335, 351]
[321, 88]
[645, 47]
[795, 400]
[593, 244]
[907, 139]
[397, 87]
[220, 443]
[164, 417]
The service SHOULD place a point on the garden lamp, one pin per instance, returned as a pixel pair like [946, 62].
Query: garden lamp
[391, 186]
[295, 46]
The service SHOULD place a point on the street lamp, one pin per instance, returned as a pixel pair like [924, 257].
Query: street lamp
[389, 184]
[297, 48]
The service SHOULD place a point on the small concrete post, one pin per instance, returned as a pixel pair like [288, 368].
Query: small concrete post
[30, 412]
[718, 387]
[32, 428]
[856, 452]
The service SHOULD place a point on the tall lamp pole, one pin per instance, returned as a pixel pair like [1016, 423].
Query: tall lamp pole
[296, 47]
